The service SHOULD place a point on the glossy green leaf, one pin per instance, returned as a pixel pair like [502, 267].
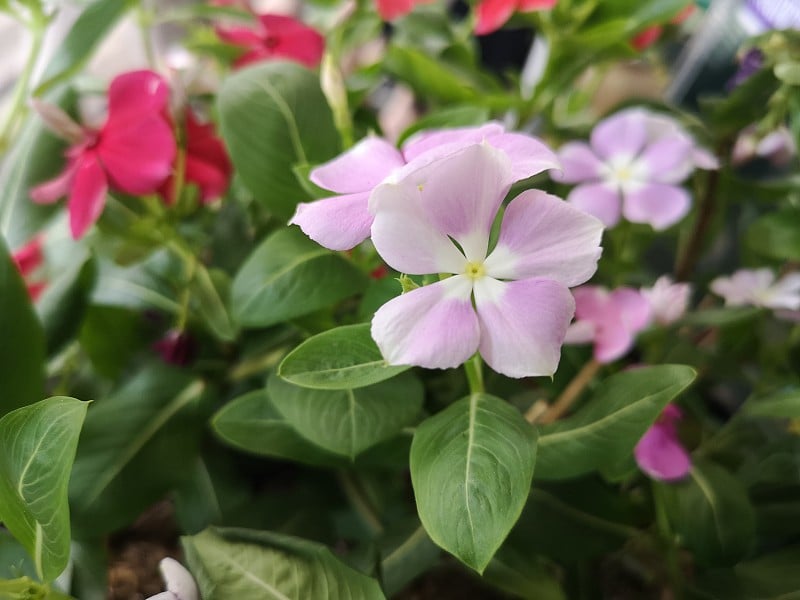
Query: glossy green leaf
[22, 354]
[135, 447]
[274, 116]
[347, 422]
[342, 358]
[288, 276]
[606, 430]
[471, 468]
[777, 235]
[37, 447]
[243, 563]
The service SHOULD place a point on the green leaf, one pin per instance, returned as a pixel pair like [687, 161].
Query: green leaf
[784, 404]
[242, 563]
[788, 72]
[62, 305]
[288, 276]
[722, 317]
[135, 447]
[523, 575]
[406, 557]
[347, 422]
[272, 117]
[22, 353]
[606, 430]
[208, 291]
[773, 575]
[83, 37]
[37, 447]
[338, 359]
[777, 235]
[471, 468]
[711, 514]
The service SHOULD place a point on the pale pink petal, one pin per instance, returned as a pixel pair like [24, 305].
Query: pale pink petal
[359, 169]
[578, 164]
[667, 160]
[433, 326]
[620, 136]
[744, 287]
[600, 200]
[337, 223]
[523, 324]
[658, 204]
[543, 236]
[425, 141]
[660, 454]
[53, 189]
[591, 303]
[137, 93]
[668, 300]
[632, 307]
[528, 155]
[612, 341]
[703, 159]
[580, 332]
[492, 15]
[785, 293]
[389, 10]
[88, 195]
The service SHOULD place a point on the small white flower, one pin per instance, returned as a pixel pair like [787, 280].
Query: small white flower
[668, 300]
[757, 287]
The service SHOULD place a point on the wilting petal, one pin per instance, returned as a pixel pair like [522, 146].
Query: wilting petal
[58, 187]
[523, 324]
[668, 160]
[389, 10]
[528, 155]
[359, 169]
[621, 135]
[658, 204]
[137, 93]
[578, 164]
[88, 195]
[433, 326]
[404, 235]
[425, 141]
[600, 200]
[337, 223]
[543, 236]
[492, 15]
[660, 454]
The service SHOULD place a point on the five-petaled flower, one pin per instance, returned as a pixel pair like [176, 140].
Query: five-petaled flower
[275, 37]
[610, 320]
[342, 222]
[757, 287]
[632, 167]
[492, 14]
[660, 453]
[437, 219]
[132, 152]
[29, 258]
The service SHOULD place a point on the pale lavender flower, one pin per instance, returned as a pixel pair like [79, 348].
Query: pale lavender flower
[343, 221]
[632, 168]
[660, 453]
[437, 219]
[777, 146]
[757, 287]
[608, 319]
[180, 583]
[668, 300]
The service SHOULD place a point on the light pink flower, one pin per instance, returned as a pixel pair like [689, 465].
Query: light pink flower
[668, 300]
[610, 320]
[437, 219]
[493, 14]
[778, 146]
[275, 37]
[342, 222]
[132, 152]
[757, 287]
[660, 453]
[632, 167]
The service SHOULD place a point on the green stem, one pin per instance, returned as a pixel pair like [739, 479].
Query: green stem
[665, 532]
[144, 19]
[474, 370]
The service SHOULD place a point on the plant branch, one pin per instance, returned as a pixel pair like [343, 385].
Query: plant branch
[708, 204]
[568, 397]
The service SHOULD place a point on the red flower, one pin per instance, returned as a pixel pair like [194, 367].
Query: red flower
[28, 259]
[132, 152]
[649, 36]
[392, 9]
[276, 37]
[492, 14]
[207, 164]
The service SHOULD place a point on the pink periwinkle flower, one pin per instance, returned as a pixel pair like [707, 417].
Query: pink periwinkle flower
[632, 168]
[660, 453]
[275, 37]
[668, 300]
[389, 10]
[132, 152]
[493, 14]
[609, 319]
[437, 219]
[342, 222]
[757, 287]
[29, 259]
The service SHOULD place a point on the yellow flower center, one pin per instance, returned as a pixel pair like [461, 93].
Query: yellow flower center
[475, 270]
[623, 174]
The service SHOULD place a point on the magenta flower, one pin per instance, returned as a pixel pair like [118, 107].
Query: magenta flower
[436, 219]
[632, 167]
[757, 287]
[389, 10]
[275, 37]
[176, 348]
[668, 300]
[132, 152]
[29, 259]
[610, 320]
[492, 14]
[342, 222]
[660, 453]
